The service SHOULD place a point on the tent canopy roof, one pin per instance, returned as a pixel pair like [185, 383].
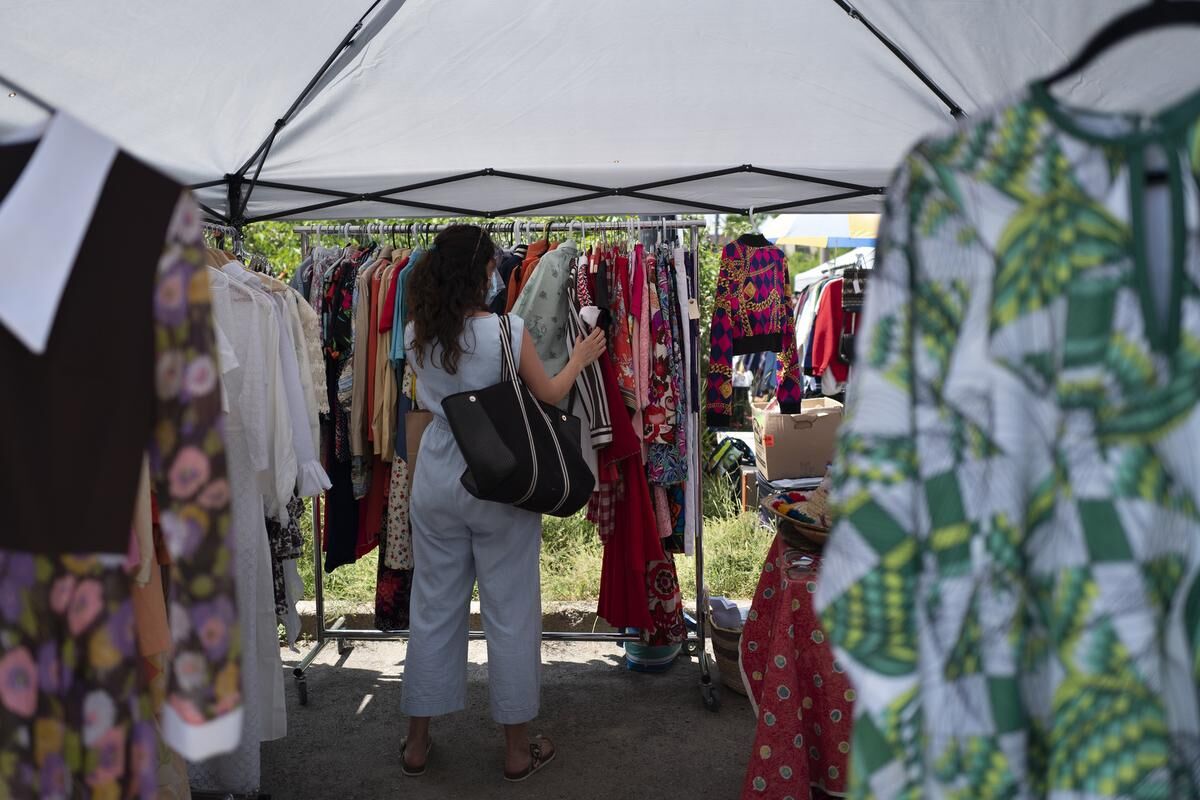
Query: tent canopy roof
[587, 96]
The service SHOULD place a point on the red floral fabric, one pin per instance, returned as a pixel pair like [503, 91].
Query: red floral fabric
[802, 695]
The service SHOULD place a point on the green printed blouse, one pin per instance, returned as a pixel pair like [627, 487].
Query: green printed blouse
[1013, 583]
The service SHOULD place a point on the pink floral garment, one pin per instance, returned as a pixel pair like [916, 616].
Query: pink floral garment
[621, 346]
[659, 413]
[77, 718]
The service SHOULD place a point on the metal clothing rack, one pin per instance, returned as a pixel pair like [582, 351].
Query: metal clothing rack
[234, 234]
[255, 261]
[337, 632]
[518, 228]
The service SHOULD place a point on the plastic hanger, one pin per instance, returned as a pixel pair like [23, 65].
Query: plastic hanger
[754, 238]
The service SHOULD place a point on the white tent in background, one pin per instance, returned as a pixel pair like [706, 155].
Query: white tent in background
[858, 257]
[823, 230]
[550, 107]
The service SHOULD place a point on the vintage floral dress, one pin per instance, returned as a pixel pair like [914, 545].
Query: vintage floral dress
[76, 717]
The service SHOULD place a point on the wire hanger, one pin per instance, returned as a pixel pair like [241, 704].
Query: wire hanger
[1147, 17]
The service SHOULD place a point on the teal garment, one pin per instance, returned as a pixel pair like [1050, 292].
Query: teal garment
[400, 315]
[544, 304]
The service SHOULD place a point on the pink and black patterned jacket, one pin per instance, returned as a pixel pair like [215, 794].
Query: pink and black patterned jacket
[752, 315]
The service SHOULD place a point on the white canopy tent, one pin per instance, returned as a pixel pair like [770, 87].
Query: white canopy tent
[502, 107]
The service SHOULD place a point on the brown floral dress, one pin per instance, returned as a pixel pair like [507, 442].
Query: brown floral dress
[76, 718]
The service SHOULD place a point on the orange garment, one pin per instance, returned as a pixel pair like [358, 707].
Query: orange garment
[373, 508]
[521, 275]
[385, 382]
[372, 335]
[360, 415]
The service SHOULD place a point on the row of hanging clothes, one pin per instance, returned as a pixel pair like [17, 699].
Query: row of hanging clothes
[639, 405]
[271, 376]
[640, 402]
[358, 292]
[826, 322]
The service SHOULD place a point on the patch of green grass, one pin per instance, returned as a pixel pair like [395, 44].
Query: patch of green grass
[353, 582]
[572, 557]
[734, 551]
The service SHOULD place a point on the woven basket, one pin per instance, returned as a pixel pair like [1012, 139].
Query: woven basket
[798, 536]
[726, 645]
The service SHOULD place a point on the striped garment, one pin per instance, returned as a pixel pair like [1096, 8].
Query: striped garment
[590, 382]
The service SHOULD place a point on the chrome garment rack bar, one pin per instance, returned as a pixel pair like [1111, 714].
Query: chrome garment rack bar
[343, 636]
[517, 228]
[234, 234]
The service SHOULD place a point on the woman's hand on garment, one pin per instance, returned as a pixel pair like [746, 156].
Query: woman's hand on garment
[553, 390]
[588, 348]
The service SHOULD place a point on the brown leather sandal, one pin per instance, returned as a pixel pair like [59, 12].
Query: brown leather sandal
[414, 772]
[537, 760]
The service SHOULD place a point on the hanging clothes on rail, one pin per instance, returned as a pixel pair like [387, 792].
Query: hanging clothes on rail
[822, 325]
[266, 347]
[341, 520]
[393, 580]
[550, 304]
[561, 300]
[76, 711]
[365, 311]
[665, 431]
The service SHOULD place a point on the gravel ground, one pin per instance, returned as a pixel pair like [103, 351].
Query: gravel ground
[619, 734]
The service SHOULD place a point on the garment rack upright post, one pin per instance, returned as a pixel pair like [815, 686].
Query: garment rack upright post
[337, 632]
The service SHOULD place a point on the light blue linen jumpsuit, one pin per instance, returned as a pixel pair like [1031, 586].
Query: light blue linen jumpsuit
[458, 539]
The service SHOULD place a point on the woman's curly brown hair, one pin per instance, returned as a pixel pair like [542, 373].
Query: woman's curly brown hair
[448, 283]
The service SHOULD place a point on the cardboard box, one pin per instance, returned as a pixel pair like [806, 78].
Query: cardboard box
[797, 445]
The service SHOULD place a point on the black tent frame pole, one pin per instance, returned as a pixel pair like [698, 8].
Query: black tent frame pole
[591, 192]
[239, 189]
[216, 216]
[238, 201]
[28, 95]
[954, 108]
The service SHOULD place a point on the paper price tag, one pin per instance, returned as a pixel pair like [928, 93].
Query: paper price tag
[693, 308]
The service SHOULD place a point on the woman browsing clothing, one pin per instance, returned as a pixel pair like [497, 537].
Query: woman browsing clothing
[454, 345]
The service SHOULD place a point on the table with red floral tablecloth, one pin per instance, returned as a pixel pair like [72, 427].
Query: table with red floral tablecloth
[801, 695]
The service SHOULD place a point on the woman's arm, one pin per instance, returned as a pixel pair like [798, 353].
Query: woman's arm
[552, 390]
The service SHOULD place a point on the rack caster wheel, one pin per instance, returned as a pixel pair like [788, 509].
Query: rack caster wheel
[710, 693]
[344, 646]
[692, 649]
[302, 690]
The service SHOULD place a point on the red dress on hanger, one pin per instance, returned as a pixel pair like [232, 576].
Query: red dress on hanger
[639, 587]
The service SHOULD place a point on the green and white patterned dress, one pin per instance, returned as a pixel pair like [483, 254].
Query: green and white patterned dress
[1013, 583]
